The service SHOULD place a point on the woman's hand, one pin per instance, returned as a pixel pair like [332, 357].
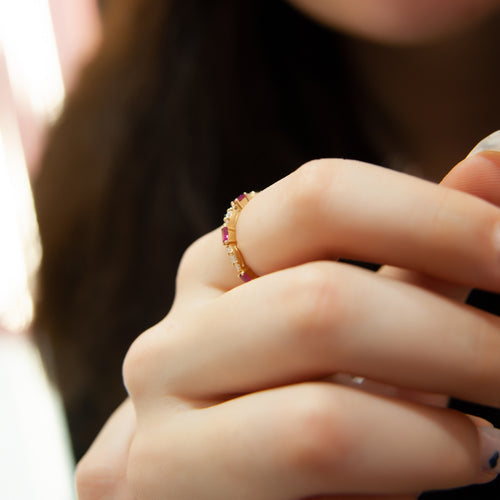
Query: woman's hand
[229, 389]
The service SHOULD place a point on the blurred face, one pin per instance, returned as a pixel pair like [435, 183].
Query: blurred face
[398, 21]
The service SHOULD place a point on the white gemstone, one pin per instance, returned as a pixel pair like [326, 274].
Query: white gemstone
[357, 380]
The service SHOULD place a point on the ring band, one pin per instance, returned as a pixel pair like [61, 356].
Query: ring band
[229, 236]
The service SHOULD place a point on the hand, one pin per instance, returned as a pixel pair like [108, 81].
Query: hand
[102, 473]
[286, 434]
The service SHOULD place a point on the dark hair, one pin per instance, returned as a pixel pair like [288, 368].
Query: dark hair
[186, 104]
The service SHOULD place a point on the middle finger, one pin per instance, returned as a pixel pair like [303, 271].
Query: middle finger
[308, 326]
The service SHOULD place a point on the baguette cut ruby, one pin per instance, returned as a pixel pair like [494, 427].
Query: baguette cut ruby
[225, 234]
[241, 197]
[244, 277]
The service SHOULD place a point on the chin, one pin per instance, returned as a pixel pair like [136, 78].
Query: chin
[399, 22]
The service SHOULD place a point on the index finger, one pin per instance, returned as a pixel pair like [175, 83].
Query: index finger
[341, 208]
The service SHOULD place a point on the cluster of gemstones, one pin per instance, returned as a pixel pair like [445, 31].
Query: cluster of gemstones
[229, 236]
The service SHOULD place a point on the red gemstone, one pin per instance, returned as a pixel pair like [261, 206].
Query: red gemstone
[244, 277]
[225, 234]
[241, 197]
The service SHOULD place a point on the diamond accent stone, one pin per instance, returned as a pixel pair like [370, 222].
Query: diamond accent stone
[229, 235]
[357, 380]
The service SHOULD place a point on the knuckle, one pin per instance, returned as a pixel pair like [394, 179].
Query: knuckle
[144, 458]
[483, 353]
[95, 481]
[148, 364]
[315, 440]
[315, 304]
[139, 365]
[137, 457]
[440, 214]
[133, 368]
[189, 258]
[308, 184]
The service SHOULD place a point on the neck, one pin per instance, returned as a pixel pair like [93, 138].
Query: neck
[441, 98]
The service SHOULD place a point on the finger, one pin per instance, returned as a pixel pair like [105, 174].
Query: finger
[299, 441]
[102, 471]
[364, 384]
[341, 208]
[478, 175]
[309, 326]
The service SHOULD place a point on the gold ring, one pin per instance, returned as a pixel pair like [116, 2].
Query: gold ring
[229, 236]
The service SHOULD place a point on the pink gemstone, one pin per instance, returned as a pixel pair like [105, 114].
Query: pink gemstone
[241, 197]
[225, 234]
[244, 277]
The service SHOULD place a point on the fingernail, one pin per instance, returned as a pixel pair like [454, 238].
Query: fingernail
[490, 143]
[489, 439]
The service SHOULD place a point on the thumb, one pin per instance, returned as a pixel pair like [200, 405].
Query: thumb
[478, 175]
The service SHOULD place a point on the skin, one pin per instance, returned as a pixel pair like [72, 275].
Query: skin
[231, 395]
[428, 66]
[398, 21]
[286, 434]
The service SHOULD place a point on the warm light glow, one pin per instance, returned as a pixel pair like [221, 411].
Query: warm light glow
[35, 456]
[28, 47]
[19, 248]
[27, 37]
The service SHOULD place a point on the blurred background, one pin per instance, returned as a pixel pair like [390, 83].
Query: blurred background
[43, 44]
